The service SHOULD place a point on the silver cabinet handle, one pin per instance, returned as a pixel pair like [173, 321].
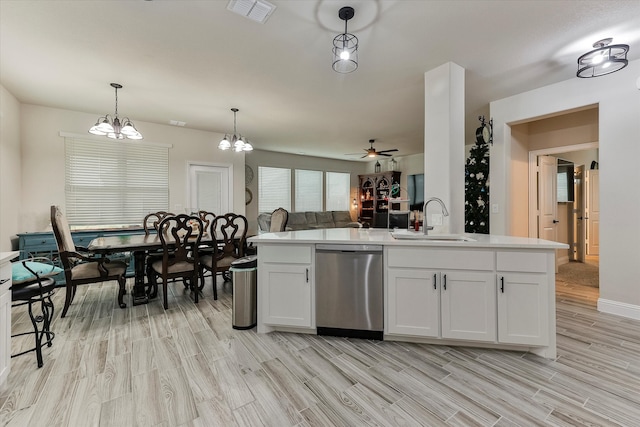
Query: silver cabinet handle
[502, 284]
[444, 282]
[435, 286]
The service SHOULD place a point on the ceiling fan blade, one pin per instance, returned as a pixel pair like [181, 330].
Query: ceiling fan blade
[388, 151]
[384, 154]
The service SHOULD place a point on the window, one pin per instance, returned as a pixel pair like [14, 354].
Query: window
[114, 183]
[308, 190]
[338, 187]
[274, 189]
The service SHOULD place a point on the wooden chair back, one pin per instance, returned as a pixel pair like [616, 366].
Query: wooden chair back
[207, 218]
[180, 235]
[230, 234]
[152, 221]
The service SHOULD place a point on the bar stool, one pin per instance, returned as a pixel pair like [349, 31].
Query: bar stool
[36, 293]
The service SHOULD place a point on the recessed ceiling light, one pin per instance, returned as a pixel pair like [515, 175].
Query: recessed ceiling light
[256, 10]
[177, 123]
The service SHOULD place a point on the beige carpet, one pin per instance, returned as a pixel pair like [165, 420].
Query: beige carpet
[579, 273]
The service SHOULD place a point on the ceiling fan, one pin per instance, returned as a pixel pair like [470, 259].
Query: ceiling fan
[371, 152]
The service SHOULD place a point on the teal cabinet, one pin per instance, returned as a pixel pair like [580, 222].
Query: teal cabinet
[43, 244]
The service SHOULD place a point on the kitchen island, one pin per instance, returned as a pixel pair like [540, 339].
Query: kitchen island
[472, 289]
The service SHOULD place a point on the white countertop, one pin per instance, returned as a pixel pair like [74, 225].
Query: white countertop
[8, 256]
[383, 237]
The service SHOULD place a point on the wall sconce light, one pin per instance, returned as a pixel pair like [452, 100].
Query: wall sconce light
[377, 167]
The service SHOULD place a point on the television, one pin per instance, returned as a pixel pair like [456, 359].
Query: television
[415, 188]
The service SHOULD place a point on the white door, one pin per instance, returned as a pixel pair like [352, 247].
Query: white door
[547, 198]
[592, 211]
[579, 215]
[209, 189]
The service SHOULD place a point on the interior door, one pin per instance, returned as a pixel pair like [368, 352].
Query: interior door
[547, 198]
[592, 211]
[209, 189]
[579, 215]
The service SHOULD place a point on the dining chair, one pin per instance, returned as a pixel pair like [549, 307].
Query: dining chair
[33, 286]
[207, 218]
[279, 219]
[79, 268]
[179, 236]
[152, 220]
[150, 223]
[229, 233]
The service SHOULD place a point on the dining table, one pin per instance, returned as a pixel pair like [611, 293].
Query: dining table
[140, 245]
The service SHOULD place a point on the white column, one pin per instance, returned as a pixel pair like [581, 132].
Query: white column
[444, 144]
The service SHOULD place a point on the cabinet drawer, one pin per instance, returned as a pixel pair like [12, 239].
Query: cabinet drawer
[289, 254]
[40, 242]
[439, 258]
[532, 262]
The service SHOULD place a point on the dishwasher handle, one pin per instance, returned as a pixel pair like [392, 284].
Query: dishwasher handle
[348, 248]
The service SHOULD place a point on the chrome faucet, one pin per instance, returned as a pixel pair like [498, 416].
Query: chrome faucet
[445, 212]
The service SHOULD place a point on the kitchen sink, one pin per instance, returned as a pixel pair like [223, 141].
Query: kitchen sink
[418, 235]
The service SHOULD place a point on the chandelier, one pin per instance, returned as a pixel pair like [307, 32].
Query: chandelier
[605, 59]
[112, 127]
[345, 46]
[236, 140]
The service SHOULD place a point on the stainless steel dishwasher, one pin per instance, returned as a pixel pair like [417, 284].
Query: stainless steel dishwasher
[349, 295]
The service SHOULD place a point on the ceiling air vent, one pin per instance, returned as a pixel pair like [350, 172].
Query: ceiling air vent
[256, 10]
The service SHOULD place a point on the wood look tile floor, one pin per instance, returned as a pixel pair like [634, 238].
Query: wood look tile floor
[186, 366]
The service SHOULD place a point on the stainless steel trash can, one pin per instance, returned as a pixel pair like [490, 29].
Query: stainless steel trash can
[244, 271]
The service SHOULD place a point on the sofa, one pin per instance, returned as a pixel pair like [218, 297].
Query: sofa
[311, 220]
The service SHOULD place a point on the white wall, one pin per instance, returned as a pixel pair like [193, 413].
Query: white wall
[43, 160]
[10, 184]
[618, 102]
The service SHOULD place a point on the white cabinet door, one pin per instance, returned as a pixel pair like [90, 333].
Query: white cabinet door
[286, 294]
[468, 305]
[5, 323]
[413, 302]
[523, 316]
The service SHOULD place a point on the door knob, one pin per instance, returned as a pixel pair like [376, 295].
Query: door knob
[555, 221]
[580, 217]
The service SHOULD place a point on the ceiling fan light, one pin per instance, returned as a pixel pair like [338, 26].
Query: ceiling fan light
[247, 147]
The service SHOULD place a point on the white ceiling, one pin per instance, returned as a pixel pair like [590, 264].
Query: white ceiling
[192, 61]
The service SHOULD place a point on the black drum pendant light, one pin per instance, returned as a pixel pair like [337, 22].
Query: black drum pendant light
[605, 59]
[345, 46]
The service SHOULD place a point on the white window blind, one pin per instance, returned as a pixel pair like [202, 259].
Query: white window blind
[308, 190]
[338, 186]
[114, 183]
[274, 189]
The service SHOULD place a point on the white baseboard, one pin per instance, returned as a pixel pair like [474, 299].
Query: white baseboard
[563, 260]
[619, 308]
